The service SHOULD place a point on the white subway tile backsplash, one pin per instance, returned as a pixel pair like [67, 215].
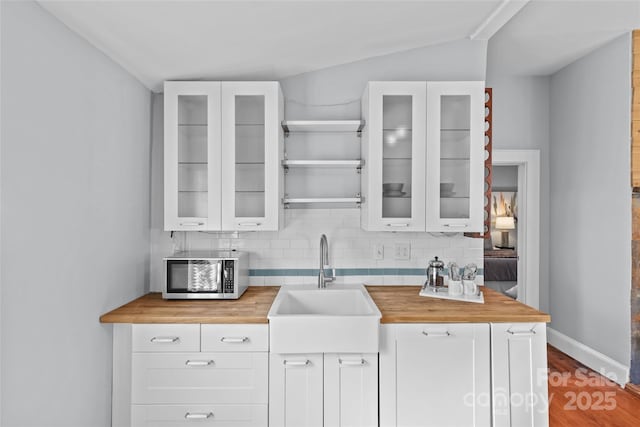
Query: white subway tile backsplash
[279, 244]
[393, 280]
[374, 280]
[296, 246]
[256, 281]
[300, 243]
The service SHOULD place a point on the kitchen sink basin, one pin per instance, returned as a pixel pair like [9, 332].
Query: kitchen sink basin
[338, 319]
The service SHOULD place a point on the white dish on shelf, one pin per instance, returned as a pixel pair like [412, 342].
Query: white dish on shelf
[390, 187]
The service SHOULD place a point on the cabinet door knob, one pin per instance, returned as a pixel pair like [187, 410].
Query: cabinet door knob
[296, 362]
[436, 334]
[236, 340]
[198, 415]
[165, 340]
[198, 362]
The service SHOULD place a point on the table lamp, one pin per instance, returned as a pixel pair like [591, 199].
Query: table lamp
[505, 223]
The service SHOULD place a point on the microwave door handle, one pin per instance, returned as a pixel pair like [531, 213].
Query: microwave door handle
[218, 278]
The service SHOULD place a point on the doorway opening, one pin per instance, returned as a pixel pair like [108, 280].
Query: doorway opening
[515, 226]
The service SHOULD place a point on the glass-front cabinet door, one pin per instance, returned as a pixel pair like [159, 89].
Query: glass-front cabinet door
[251, 153]
[455, 150]
[393, 150]
[191, 155]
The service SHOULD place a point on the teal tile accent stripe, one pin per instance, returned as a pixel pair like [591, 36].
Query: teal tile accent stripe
[272, 272]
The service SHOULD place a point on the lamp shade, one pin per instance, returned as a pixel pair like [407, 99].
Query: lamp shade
[505, 223]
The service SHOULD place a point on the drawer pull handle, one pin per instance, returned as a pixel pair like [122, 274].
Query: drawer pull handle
[198, 415]
[296, 362]
[165, 340]
[191, 224]
[358, 362]
[199, 362]
[235, 340]
[249, 224]
[522, 333]
[436, 334]
[398, 225]
[456, 225]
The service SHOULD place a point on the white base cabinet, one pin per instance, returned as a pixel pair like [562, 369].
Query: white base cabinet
[519, 375]
[175, 375]
[316, 390]
[201, 415]
[435, 375]
[350, 390]
[295, 390]
[440, 375]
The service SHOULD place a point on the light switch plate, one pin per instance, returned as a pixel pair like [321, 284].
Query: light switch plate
[402, 251]
[378, 251]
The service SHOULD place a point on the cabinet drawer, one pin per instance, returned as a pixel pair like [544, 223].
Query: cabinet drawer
[166, 338]
[202, 415]
[235, 337]
[199, 378]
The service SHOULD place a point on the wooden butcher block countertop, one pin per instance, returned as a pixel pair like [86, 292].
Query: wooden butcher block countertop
[398, 304]
[402, 304]
[252, 307]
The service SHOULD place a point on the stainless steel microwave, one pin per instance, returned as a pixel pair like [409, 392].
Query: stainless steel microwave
[206, 275]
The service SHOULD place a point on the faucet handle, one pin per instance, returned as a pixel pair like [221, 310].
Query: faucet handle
[333, 273]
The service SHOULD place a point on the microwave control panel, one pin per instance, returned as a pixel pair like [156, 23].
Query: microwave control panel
[228, 281]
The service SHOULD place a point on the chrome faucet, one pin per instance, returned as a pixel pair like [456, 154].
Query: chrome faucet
[324, 263]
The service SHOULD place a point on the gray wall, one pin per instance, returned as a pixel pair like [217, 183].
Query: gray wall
[504, 178]
[521, 121]
[459, 60]
[590, 269]
[74, 220]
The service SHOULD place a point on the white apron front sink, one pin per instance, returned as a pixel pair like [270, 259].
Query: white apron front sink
[338, 319]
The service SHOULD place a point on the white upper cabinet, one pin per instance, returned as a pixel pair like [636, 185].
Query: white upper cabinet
[223, 146]
[393, 151]
[252, 149]
[455, 156]
[423, 154]
[192, 156]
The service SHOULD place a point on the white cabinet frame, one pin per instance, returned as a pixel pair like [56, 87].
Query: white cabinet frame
[273, 173]
[372, 154]
[434, 221]
[519, 375]
[172, 90]
[463, 399]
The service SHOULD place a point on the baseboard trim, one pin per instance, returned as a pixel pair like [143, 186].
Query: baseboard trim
[589, 357]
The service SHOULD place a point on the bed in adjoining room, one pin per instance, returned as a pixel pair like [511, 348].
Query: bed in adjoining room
[501, 271]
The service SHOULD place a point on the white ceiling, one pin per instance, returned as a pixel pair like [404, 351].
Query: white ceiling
[548, 35]
[169, 40]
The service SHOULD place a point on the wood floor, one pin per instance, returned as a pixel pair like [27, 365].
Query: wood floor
[582, 398]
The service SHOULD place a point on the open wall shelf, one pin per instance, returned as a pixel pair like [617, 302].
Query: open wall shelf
[322, 126]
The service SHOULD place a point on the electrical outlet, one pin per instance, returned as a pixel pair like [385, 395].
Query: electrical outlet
[378, 251]
[402, 251]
